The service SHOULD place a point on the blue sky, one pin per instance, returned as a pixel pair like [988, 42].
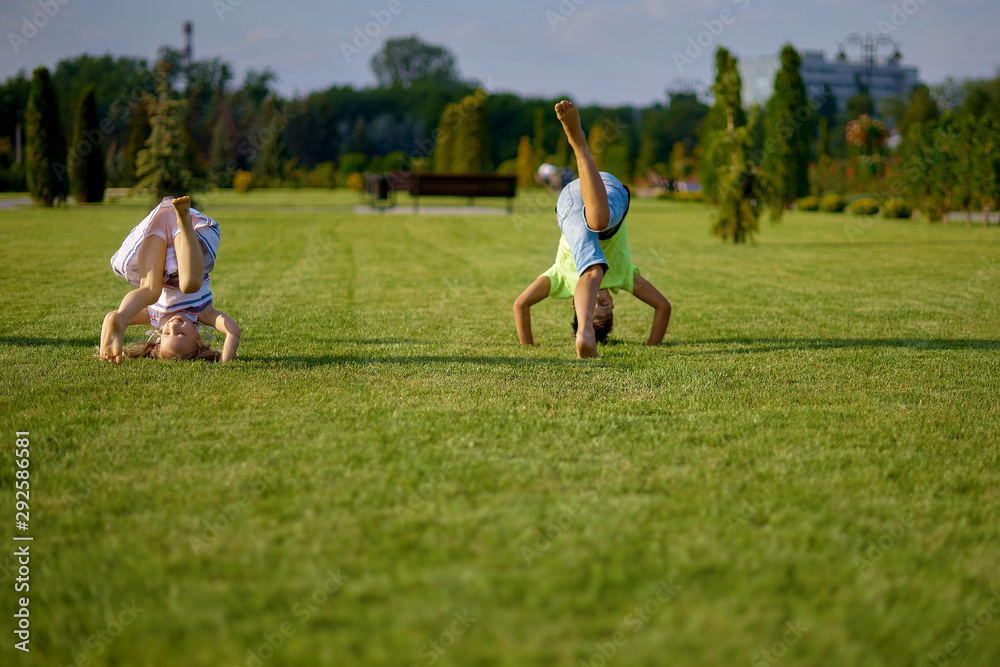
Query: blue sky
[594, 50]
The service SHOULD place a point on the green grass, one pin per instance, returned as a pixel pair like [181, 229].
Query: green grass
[830, 387]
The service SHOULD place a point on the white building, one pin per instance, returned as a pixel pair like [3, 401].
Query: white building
[889, 78]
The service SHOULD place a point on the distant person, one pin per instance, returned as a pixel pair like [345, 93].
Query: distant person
[593, 258]
[548, 175]
[168, 257]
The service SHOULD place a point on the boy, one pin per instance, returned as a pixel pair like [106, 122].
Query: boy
[593, 257]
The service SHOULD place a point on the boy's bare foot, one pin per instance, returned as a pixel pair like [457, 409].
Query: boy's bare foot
[112, 338]
[586, 344]
[182, 205]
[569, 116]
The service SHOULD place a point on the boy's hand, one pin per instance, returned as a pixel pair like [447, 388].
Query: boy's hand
[535, 292]
[645, 292]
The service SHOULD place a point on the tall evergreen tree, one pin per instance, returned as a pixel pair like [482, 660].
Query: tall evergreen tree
[946, 155]
[525, 164]
[444, 144]
[222, 165]
[740, 188]
[725, 115]
[138, 132]
[161, 165]
[788, 130]
[87, 175]
[472, 140]
[46, 146]
[986, 167]
[597, 145]
[270, 168]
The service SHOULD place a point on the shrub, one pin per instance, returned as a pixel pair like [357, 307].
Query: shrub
[832, 203]
[356, 182]
[897, 208]
[682, 195]
[867, 206]
[243, 181]
[807, 204]
[322, 175]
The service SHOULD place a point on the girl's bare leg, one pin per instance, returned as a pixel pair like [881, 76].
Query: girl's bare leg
[595, 196]
[152, 256]
[190, 256]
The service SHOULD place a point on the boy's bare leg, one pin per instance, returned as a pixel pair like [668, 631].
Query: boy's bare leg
[595, 195]
[585, 303]
[190, 256]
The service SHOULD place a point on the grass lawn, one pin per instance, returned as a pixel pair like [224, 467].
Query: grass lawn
[805, 473]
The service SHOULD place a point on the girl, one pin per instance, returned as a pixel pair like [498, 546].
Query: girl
[593, 255]
[167, 257]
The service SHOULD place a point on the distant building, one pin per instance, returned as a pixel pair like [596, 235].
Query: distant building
[889, 78]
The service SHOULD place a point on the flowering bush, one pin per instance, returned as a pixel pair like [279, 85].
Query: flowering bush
[243, 181]
[866, 131]
[896, 208]
[865, 207]
[832, 203]
[807, 204]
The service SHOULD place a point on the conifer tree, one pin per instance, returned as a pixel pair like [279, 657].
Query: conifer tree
[741, 191]
[525, 164]
[222, 164]
[87, 175]
[138, 133]
[472, 139]
[725, 115]
[161, 165]
[788, 128]
[444, 145]
[46, 146]
[986, 167]
[597, 145]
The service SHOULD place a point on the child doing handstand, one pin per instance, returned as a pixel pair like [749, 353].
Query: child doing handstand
[593, 259]
[168, 257]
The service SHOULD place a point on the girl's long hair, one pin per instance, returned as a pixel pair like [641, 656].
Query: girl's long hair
[152, 350]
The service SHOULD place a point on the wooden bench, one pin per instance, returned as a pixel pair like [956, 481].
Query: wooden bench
[463, 185]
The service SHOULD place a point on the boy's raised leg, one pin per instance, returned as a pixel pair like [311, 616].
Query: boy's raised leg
[190, 255]
[595, 195]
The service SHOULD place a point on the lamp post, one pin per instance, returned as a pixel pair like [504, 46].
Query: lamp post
[869, 48]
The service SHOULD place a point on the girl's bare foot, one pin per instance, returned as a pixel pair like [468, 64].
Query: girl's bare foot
[182, 205]
[112, 338]
[569, 116]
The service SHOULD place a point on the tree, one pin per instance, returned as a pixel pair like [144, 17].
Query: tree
[945, 155]
[138, 133]
[86, 162]
[161, 165]
[46, 145]
[740, 188]
[444, 142]
[222, 166]
[472, 139]
[788, 130]
[596, 144]
[525, 164]
[725, 116]
[270, 168]
[921, 108]
[917, 157]
[986, 166]
[406, 60]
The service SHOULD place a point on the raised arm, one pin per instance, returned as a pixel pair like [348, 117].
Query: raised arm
[536, 291]
[225, 324]
[645, 292]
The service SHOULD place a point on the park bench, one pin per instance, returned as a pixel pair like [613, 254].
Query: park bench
[463, 185]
